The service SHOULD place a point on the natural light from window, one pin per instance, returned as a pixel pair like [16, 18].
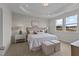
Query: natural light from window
[71, 23]
[59, 24]
[67, 24]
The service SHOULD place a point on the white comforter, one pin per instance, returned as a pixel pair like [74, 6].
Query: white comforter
[35, 40]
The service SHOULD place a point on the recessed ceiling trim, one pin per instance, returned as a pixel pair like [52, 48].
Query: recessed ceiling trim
[37, 10]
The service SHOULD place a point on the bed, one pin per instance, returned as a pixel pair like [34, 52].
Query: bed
[35, 40]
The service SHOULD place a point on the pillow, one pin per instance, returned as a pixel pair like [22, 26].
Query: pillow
[34, 32]
[41, 31]
[31, 32]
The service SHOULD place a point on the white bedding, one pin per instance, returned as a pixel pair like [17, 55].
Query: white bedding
[35, 40]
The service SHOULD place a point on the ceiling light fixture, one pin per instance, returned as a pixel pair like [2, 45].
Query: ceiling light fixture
[45, 3]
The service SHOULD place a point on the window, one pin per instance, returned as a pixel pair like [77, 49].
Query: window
[67, 24]
[59, 24]
[71, 23]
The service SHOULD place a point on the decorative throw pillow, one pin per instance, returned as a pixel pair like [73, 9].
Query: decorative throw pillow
[41, 31]
[34, 32]
[31, 32]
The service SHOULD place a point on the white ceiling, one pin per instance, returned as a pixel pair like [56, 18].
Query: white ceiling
[38, 10]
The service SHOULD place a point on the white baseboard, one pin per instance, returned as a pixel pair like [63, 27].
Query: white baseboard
[3, 52]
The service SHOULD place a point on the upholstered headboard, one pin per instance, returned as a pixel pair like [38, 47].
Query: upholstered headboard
[36, 29]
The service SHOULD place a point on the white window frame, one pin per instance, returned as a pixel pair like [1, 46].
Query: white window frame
[64, 25]
[56, 25]
[72, 23]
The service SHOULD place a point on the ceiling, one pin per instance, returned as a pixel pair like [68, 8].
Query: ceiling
[39, 10]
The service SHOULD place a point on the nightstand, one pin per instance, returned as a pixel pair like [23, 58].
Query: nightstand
[20, 38]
